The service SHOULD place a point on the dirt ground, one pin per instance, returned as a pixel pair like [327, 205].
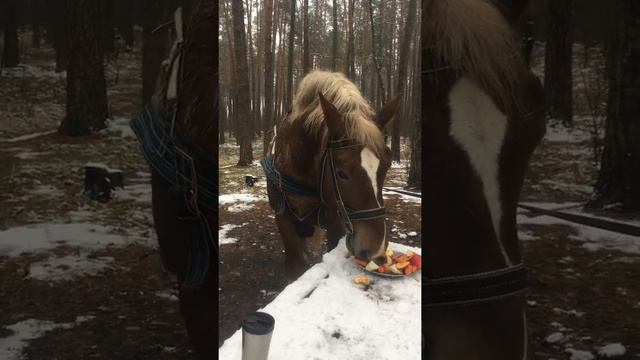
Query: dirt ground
[130, 307]
[590, 296]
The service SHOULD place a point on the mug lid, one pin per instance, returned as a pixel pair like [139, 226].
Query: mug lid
[258, 323]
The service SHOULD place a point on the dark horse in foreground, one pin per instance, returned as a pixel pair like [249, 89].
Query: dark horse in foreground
[326, 171]
[483, 113]
[178, 134]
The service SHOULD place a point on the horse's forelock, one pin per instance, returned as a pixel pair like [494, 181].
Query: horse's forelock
[478, 42]
[356, 111]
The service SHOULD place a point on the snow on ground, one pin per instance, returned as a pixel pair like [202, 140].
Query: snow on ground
[612, 350]
[136, 192]
[339, 319]
[594, 238]
[223, 239]
[67, 267]
[26, 70]
[42, 237]
[240, 201]
[579, 354]
[28, 136]
[167, 294]
[29, 155]
[11, 347]
[119, 127]
[403, 197]
[561, 134]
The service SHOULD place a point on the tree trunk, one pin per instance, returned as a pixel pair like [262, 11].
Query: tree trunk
[11, 52]
[125, 21]
[87, 107]
[109, 33]
[374, 46]
[57, 11]
[619, 178]
[242, 109]
[305, 42]
[351, 72]
[36, 22]
[154, 46]
[334, 44]
[402, 77]
[268, 122]
[292, 35]
[558, 61]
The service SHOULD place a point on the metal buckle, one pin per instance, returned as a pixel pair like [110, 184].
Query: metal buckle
[192, 179]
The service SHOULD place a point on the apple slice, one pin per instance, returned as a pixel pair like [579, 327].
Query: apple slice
[371, 266]
[394, 269]
[389, 252]
[402, 265]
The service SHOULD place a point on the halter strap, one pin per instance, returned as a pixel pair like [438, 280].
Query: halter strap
[475, 288]
[284, 183]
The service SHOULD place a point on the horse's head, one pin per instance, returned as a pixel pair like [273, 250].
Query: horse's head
[354, 173]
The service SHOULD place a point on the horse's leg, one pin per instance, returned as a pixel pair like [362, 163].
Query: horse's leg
[334, 233]
[199, 310]
[295, 263]
[196, 305]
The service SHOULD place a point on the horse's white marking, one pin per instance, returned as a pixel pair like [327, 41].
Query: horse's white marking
[479, 127]
[370, 163]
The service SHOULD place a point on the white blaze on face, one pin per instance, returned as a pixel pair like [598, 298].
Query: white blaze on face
[370, 162]
[479, 127]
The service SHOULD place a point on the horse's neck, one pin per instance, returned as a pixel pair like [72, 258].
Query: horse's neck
[299, 154]
[472, 227]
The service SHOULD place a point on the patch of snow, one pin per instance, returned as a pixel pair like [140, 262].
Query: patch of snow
[43, 237]
[557, 185]
[594, 238]
[168, 295]
[68, 267]
[579, 354]
[239, 201]
[119, 127]
[342, 320]
[525, 235]
[46, 190]
[28, 155]
[563, 134]
[403, 197]
[137, 192]
[11, 347]
[612, 350]
[222, 234]
[27, 70]
[238, 197]
[554, 338]
[28, 136]
[573, 312]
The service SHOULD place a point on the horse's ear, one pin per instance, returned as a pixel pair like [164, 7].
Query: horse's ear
[332, 118]
[388, 110]
[513, 10]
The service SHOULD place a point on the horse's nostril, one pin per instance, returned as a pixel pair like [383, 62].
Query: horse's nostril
[364, 255]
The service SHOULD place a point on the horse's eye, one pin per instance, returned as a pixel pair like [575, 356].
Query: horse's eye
[342, 175]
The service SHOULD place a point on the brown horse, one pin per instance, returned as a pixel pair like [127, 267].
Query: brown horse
[483, 115]
[179, 139]
[326, 170]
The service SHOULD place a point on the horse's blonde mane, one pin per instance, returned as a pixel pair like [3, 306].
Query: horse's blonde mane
[477, 41]
[356, 111]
